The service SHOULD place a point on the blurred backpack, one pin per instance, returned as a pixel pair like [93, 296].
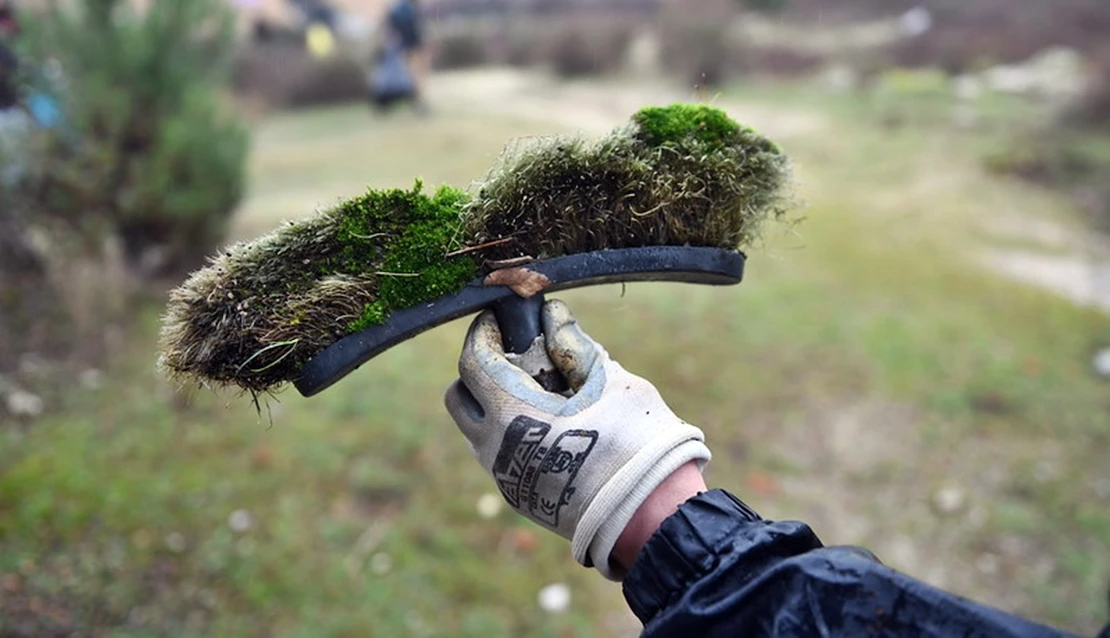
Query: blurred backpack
[390, 80]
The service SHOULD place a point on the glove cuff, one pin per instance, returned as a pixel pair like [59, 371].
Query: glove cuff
[618, 500]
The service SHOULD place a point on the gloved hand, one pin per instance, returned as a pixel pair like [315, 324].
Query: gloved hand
[579, 465]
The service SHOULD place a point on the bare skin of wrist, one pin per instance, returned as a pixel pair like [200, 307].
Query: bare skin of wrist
[676, 489]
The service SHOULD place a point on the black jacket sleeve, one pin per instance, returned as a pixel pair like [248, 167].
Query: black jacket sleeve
[715, 568]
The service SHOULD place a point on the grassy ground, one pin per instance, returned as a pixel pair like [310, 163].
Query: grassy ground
[868, 377]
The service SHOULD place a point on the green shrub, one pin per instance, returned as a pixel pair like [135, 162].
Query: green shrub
[146, 155]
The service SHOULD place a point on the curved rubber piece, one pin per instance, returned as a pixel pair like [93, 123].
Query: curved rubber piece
[697, 265]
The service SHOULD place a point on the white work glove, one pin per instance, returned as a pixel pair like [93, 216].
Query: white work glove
[579, 465]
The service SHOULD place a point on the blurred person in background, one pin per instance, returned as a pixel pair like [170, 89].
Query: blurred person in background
[608, 466]
[405, 30]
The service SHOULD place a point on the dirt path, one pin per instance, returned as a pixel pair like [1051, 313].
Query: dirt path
[1059, 259]
[1084, 281]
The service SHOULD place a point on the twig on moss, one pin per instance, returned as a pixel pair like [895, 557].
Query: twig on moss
[368, 237]
[488, 244]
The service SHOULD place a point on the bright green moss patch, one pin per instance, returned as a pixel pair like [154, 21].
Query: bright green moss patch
[405, 232]
[415, 268]
[662, 124]
[684, 175]
[391, 210]
[372, 315]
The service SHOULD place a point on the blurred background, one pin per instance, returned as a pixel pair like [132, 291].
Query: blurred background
[921, 366]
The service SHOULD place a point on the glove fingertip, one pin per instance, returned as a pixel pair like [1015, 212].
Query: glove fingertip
[556, 314]
[483, 331]
[483, 339]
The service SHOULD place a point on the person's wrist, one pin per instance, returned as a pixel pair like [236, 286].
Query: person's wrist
[682, 485]
[612, 507]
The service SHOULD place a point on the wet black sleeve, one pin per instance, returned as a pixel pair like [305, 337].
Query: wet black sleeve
[715, 568]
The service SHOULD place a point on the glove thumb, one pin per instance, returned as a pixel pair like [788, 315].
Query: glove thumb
[573, 352]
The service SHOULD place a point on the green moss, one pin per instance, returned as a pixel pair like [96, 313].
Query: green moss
[372, 315]
[379, 211]
[659, 125]
[369, 222]
[407, 235]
